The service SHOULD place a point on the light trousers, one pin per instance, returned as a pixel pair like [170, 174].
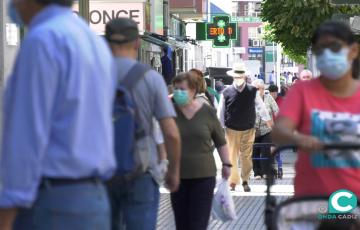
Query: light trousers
[240, 146]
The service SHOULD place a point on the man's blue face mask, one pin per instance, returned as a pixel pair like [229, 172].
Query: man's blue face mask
[14, 14]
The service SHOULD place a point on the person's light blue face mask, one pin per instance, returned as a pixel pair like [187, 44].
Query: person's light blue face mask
[181, 97]
[14, 14]
[333, 65]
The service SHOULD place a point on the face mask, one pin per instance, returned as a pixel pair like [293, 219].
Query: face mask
[333, 65]
[239, 81]
[14, 14]
[181, 97]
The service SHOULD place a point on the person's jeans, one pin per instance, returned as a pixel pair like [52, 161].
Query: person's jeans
[82, 206]
[279, 160]
[134, 203]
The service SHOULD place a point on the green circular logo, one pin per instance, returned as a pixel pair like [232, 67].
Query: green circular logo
[342, 201]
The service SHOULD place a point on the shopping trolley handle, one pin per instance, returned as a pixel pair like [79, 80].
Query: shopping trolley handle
[332, 146]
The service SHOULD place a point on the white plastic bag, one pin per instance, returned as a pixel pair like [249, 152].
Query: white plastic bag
[223, 207]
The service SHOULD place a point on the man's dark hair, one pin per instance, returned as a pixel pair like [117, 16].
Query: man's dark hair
[273, 88]
[68, 3]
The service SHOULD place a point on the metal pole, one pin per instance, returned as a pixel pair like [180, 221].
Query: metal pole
[166, 17]
[84, 9]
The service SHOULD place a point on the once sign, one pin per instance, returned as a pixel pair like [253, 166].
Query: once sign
[102, 12]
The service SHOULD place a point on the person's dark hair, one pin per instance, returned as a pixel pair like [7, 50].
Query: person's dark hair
[273, 88]
[67, 3]
[208, 82]
[342, 32]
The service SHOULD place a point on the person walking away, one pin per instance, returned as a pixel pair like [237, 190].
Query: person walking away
[263, 134]
[134, 197]
[200, 130]
[324, 110]
[273, 90]
[57, 142]
[237, 113]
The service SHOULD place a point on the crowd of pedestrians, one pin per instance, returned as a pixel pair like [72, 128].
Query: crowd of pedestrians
[76, 104]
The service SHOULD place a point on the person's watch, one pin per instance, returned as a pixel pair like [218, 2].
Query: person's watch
[227, 165]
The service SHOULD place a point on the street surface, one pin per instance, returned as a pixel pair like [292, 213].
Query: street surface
[249, 206]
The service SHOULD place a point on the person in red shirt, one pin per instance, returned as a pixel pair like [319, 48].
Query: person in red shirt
[325, 110]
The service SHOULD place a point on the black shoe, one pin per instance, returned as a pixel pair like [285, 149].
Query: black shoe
[232, 187]
[280, 173]
[246, 187]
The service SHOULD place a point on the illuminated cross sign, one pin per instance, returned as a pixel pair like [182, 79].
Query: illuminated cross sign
[221, 31]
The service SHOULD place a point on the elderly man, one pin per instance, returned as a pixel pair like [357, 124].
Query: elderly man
[57, 142]
[306, 75]
[237, 113]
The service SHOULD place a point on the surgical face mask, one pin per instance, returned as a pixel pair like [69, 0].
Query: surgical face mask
[239, 81]
[333, 65]
[14, 14]
[181, 97]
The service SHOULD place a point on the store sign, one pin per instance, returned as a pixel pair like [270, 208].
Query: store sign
[246, 19]
[255, 50]
[220, 30]
[102, 12]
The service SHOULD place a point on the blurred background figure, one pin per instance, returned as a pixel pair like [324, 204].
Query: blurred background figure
[306, 75]
[263, 132]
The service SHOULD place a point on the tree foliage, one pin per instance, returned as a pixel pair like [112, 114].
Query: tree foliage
[292, 22]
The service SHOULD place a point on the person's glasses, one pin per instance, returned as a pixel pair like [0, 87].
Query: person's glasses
[333, 46]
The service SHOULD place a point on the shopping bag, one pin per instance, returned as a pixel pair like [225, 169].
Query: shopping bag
[223, 207]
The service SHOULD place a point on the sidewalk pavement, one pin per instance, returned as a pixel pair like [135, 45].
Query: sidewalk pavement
[249, 206]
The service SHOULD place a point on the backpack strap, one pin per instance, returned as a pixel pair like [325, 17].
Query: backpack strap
[134, 75]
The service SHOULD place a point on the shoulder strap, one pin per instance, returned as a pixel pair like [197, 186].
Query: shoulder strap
[136, 73]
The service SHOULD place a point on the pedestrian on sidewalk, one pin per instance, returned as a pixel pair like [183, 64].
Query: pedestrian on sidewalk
[325, 110]
[263, 134]
[274, 92]
[200, 132]
[57, 144]
[134, 196]
[237, 113]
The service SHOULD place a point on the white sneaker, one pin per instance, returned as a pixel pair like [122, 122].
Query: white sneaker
[258, 178]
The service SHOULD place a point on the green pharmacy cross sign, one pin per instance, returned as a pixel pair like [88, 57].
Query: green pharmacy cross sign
[221, 31]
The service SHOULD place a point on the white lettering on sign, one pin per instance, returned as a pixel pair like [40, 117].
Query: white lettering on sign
[102, 12]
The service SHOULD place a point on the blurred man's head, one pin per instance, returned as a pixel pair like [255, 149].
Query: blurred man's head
[306, 75]
[260, 85]
[123, 37]
[23, 11]
[274, 91]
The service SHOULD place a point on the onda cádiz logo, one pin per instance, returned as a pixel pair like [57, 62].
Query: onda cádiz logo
[341, 205]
